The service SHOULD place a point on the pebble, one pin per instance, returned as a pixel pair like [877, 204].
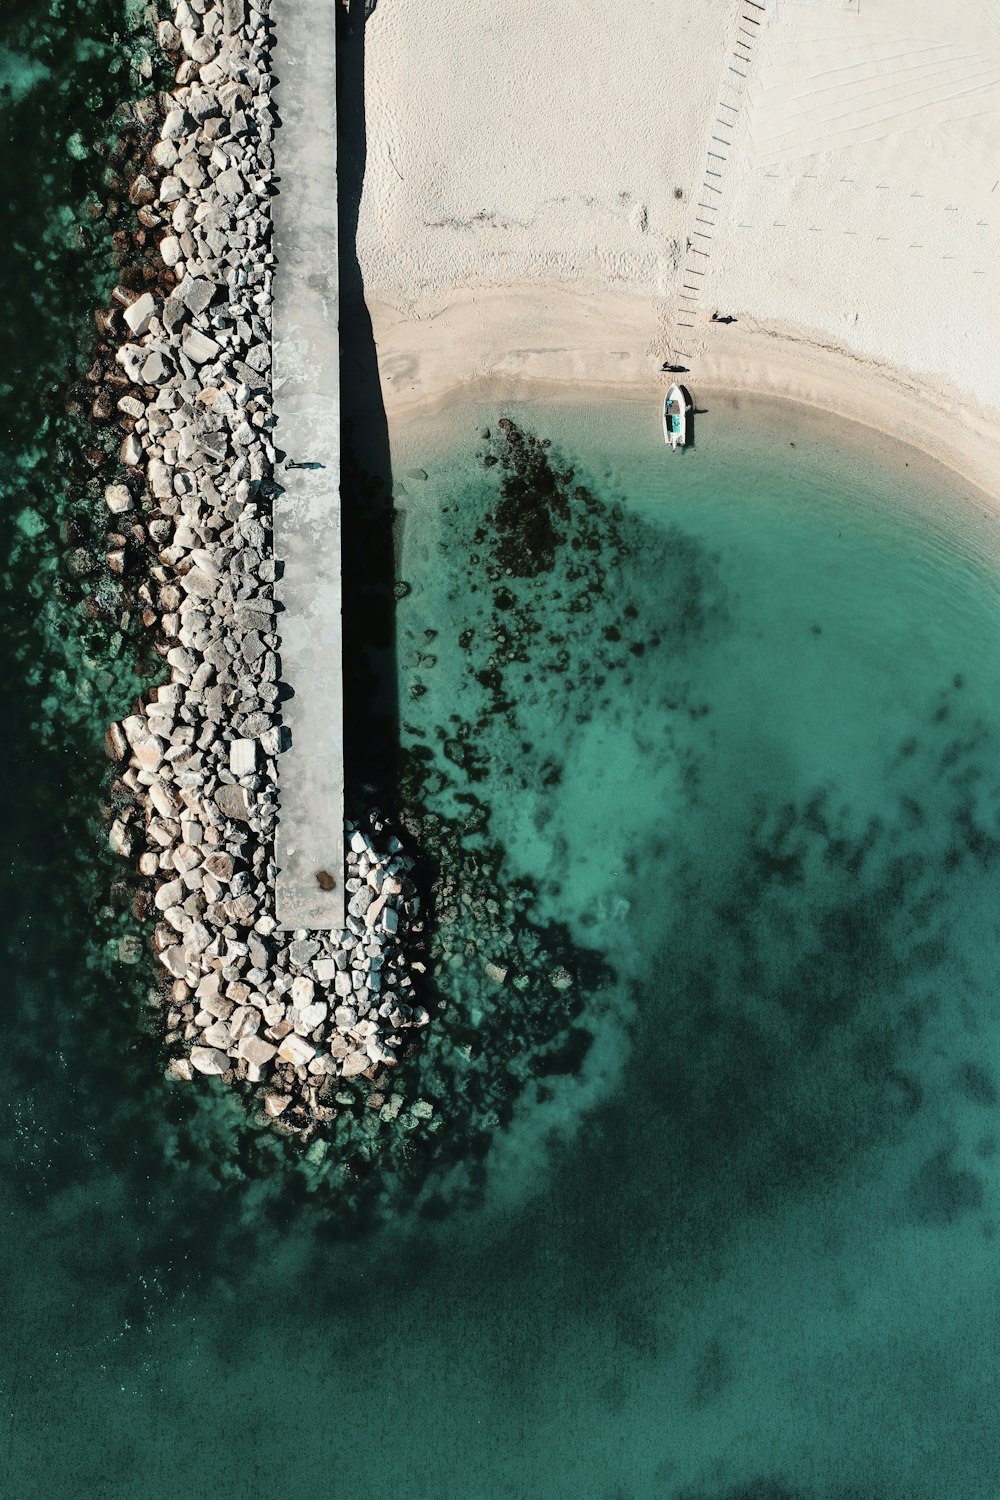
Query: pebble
[156, 369]
[296, 1050]
[209, 1059]
[302, 991]
[243, 757]
[140, 314]
[232, 801]
[255, 1050]
[198, 347]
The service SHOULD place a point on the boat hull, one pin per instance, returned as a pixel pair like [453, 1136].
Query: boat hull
[676, 406]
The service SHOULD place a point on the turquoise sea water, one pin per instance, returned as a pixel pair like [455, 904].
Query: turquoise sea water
[765, 1258]
[740, 1245]
[716, 1220]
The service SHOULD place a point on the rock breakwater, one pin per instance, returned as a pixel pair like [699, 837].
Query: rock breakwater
[197, 795]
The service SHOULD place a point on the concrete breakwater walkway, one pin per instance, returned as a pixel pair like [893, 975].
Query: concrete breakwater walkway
[306, 381]
[271, 980]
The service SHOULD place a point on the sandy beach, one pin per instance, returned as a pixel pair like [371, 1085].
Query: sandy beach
[598, 183]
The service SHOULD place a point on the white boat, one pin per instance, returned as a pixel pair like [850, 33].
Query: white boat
[676, 407]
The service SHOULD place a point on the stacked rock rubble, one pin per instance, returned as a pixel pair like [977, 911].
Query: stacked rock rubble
[248, 1000]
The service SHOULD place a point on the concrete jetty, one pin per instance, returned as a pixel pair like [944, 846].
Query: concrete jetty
[309, 841]
[269, 982]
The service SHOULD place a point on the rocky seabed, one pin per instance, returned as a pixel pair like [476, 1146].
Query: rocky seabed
[291, 1011]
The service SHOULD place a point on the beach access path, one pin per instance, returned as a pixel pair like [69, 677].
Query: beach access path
[309, 842]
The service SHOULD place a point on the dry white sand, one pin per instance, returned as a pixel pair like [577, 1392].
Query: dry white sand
[839, 164]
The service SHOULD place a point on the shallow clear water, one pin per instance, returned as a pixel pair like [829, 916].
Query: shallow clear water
[744, 1246]
[765, 1257]
[736, 1235]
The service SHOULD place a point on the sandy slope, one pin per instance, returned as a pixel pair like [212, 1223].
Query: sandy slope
[839, 163]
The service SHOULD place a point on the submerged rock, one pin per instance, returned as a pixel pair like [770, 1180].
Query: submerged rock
[118, 499]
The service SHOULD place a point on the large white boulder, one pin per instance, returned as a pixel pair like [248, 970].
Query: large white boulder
[209, 1060]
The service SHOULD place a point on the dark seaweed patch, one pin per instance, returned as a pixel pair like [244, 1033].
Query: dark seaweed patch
[940, 1193]
[713, 1373]
[559, 557]
[973, 1080]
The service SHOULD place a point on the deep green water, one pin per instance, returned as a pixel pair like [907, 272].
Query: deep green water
[715, 1222]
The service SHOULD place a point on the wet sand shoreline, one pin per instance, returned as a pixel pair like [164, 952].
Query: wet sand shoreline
[466, 352]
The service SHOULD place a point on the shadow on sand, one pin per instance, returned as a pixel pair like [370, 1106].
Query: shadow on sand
[370, 711]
